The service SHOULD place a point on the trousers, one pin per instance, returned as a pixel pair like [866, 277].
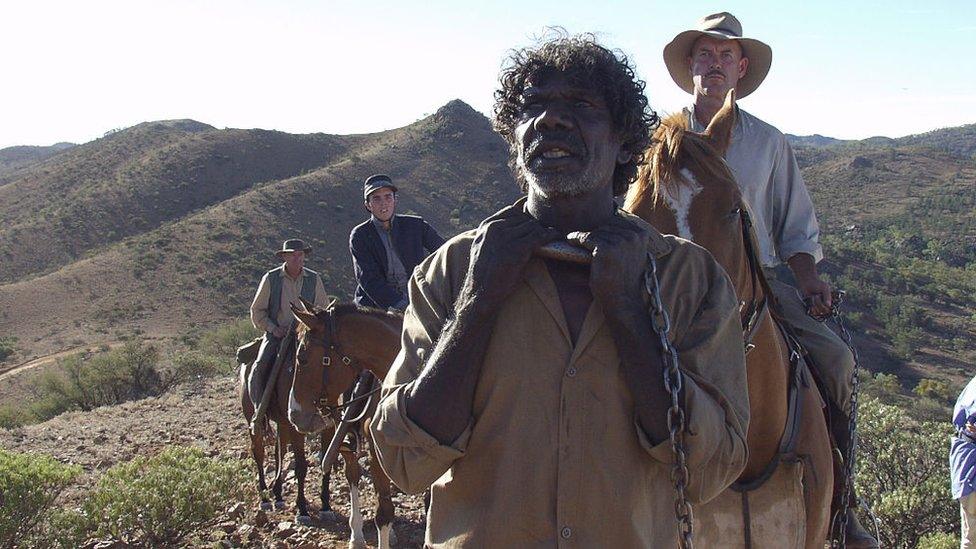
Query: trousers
[262, 367]
[831, 357]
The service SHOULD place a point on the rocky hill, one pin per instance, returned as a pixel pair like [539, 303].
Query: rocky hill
[15, 158]
[164, 228]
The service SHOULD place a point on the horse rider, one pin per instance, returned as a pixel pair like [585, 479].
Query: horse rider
[962, 462]
[529, 390]
[270, 312]
[386, 247]
[707, 62]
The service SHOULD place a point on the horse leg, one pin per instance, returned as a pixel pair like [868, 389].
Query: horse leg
[257, 440]
[384, 500]
[326, 513]
[279, 480]
[353, 473]
[301, 469]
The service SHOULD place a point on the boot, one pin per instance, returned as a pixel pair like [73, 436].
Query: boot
[856, 536]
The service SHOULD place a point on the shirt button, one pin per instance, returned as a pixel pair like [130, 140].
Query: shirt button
[566, 532]
[571, 372]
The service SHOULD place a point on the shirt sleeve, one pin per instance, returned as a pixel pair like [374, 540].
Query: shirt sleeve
[432, 240]
[796, 229]
[411, 457]
[259, 307]
[716, 399]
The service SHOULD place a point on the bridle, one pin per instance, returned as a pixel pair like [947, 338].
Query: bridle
[330, 342]
[752, 314]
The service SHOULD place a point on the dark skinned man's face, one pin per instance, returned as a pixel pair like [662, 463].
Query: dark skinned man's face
[565, 138]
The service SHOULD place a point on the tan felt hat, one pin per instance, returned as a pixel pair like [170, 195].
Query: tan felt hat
[723, 26]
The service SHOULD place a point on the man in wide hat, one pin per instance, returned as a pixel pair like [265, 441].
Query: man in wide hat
[707, 62]
[270, 312]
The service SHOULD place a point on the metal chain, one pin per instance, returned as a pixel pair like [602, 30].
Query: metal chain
[840, 520]
[676, 414]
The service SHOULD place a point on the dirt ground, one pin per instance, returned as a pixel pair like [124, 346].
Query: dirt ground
[206, 414]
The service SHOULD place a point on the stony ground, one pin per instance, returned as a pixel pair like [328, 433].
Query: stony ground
[206, 415]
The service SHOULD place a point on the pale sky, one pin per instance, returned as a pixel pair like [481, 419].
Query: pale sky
[76, 69]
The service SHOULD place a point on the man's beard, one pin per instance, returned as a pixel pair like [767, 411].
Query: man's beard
[561, 185]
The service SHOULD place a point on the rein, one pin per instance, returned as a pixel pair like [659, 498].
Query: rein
[331, 342]
[750, 321]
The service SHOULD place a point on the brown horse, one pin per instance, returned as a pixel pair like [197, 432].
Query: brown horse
[286, 436]
[783, 497]
[335, 345]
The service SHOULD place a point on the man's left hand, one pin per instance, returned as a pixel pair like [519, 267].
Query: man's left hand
[619, 251]
[816, 294]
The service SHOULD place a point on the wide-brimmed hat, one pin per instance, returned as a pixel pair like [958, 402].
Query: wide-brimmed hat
[294, 245]
[376, 182]
[723, 26]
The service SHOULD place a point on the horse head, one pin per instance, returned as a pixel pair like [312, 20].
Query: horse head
[685, 188]
[334, 345]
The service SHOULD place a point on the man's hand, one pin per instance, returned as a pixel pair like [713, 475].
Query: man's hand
[812, 288]
[619, 251]
[502, 247]
[280, 331]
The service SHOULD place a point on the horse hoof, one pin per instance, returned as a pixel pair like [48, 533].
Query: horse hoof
[265, 506]
[279, 504]
[304, 520]
[328, 516]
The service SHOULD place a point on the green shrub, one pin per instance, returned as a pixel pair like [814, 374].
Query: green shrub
[194, 365]
[63, 529]
[224, 340]
[12, 416]
[938, 540]
[29, 484]
[7, 347]
[935, 389]
[157, 501]
[903, 473]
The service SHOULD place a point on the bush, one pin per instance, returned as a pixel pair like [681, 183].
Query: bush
[939, 540]
[935, 389]
[224, 340]
[7, 347]
[127, 373]
[903, 473]
[11, 417]
[29, 484]
[157, 501]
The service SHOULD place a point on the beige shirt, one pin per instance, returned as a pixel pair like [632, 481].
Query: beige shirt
[553, 455]
[291, 289]
[767, 173]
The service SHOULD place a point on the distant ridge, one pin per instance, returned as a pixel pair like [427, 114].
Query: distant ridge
[15, 158]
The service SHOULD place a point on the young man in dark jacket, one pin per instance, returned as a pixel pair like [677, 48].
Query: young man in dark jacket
[386, 247]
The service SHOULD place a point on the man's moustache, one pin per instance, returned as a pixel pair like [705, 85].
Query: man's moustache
[571, 143]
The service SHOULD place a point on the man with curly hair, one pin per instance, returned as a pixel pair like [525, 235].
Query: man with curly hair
[529, 391]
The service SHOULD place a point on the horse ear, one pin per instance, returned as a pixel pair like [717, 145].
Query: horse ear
[308, 306]
[719, 130]
[308, 319]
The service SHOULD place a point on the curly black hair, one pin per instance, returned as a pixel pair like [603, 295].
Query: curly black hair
[583, 60]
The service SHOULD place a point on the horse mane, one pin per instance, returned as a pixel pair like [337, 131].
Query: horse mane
[342, 309]
[674, 148]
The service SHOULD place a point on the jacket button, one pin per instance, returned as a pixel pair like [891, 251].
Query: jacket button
[571, 372]
[566, 532]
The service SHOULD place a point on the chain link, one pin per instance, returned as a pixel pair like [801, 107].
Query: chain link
[676, 414]
[840, 520]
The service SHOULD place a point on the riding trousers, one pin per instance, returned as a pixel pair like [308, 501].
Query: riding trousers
[828, 353]
[262, 367]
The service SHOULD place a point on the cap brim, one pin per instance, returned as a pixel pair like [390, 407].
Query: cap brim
[378, 187]
[677, 52]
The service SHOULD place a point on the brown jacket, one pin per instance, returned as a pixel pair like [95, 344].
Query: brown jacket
[553, 455]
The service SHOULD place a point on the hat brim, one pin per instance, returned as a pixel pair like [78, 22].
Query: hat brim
[678, 51]
[306, 249]
[376, 188]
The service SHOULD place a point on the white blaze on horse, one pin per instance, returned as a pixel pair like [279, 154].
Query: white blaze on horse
[783, 497]
[334, 346]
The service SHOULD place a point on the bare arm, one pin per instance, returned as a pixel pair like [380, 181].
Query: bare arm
[810, 284]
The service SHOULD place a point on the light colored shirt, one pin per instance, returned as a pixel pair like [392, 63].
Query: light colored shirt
[962, 454]
[291, 289]
[765, 168]
[553, 455]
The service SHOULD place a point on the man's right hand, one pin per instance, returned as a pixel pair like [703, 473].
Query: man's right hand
[502, 247]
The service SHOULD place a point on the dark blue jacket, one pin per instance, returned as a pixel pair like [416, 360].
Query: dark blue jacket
[413, 239]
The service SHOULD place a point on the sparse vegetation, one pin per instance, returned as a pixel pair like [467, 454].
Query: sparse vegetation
[7, 347]
[29, 486]
[157, 501]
